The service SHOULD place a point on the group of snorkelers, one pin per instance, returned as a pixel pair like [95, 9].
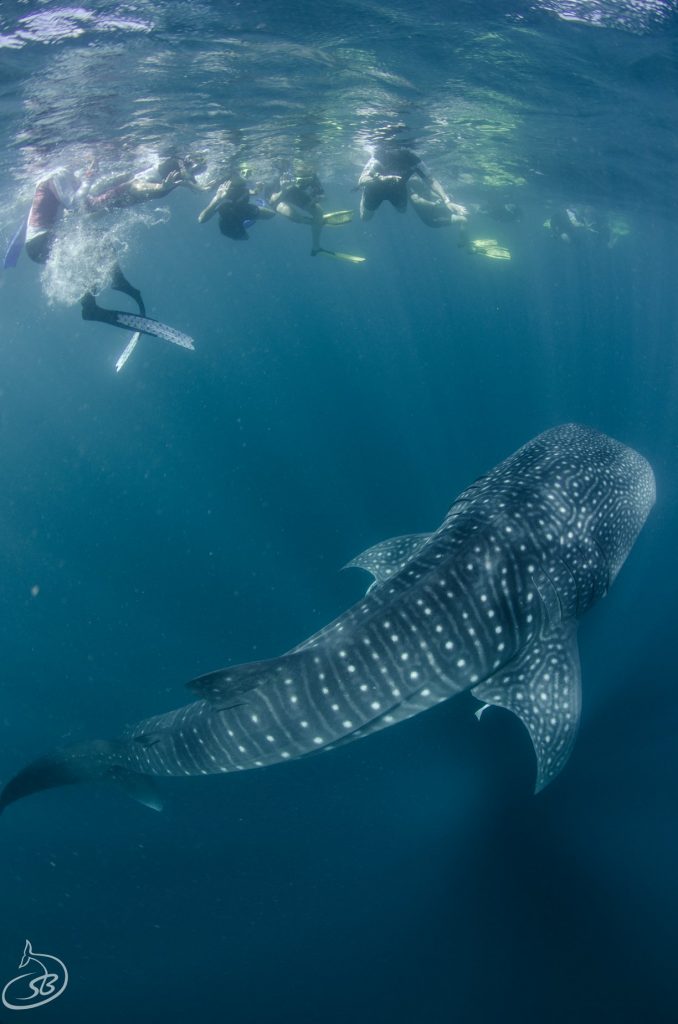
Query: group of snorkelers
[394, 174]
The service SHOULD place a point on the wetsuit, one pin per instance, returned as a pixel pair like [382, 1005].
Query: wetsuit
[233, 202]
[301, 192]
[397, 165]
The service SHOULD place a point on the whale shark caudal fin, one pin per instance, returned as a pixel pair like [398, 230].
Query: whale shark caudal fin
[542, 686]
[385, 559]
[84, 762]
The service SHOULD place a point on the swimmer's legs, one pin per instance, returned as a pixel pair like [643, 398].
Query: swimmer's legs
[316, 227]
[91, 311]
[120, 283]
[365, 212]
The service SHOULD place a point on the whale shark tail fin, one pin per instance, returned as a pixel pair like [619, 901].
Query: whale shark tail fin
[83, 762]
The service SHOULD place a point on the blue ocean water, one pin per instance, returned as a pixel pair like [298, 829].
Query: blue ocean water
[195, 509]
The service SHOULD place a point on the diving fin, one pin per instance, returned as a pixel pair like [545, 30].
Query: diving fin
[497, 252]
[338, 217]
[144, 325]
[340, 255]
[488, 247]
[120, 284]
[127, 351]
[15, 246]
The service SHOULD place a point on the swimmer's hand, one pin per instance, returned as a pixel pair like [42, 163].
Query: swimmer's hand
[458, 211]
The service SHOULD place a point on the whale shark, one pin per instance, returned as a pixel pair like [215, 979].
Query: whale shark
[488, 602]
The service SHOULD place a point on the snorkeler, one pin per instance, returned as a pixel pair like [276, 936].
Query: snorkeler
[297, 199]
[385, 178]
[54, 193]
[571, 224]
[237, 205]
[153, 183]
[565, 224]
[60, 190]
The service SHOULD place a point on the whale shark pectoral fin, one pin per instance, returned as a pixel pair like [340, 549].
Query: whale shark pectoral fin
[139, 787]
[542, 686]
[389, 556]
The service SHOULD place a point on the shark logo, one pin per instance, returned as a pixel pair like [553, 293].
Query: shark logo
[44, 981]
[489, 602]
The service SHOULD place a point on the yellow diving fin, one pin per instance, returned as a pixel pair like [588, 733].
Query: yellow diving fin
[338, 217]
[340, 255]
[489, 247]
[497, 252]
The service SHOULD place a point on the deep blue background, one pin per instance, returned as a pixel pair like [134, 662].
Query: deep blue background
[194, 511]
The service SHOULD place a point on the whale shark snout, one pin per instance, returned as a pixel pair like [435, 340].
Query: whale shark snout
[629, 503]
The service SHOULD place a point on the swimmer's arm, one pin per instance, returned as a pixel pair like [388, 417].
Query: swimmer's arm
[209, 211]
[458, 211]
[216, 202]
[370, 173]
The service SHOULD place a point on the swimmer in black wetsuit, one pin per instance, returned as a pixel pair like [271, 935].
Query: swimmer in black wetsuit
[234, 202]
[297, 199]
[386, 178]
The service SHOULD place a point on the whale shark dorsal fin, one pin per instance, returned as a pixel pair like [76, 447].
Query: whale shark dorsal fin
[389, 556]
[227, 687]
[542, 686]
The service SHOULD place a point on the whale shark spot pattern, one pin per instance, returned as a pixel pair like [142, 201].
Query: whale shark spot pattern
[489, 602]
